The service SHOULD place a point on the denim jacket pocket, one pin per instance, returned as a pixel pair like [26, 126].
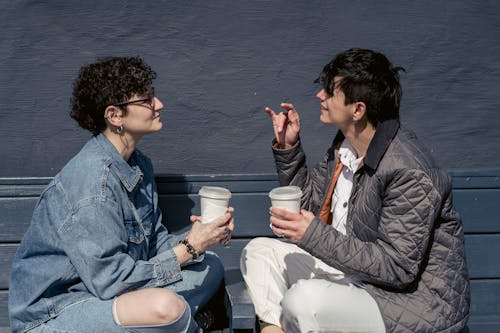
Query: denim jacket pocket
[147, 221]
[137, 231]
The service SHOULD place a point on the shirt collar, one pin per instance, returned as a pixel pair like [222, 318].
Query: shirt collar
[384, 134]
[348, 157]
[129, 174]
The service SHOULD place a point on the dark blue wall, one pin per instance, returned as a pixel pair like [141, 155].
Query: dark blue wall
[221, 62]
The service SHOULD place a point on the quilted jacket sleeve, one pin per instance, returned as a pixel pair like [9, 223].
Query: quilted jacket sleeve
[409, 205]
[292, 170]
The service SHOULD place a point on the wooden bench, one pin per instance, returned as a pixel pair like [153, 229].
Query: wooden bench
[476, 195]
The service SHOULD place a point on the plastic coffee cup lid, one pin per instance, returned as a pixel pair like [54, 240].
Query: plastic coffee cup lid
[214, 192]
[286, 193]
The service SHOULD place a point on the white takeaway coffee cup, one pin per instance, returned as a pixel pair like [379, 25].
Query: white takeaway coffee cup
[286, 197]
[214, 202]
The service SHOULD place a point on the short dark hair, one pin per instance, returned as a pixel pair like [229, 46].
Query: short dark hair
[365, 76]
[106, 82]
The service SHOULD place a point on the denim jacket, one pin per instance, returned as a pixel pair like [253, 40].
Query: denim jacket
[96, 231]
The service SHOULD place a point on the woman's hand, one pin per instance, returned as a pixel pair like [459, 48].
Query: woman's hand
[286, 125]
[290, 225]
[203, 236]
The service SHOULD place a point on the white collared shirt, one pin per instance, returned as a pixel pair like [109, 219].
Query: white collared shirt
[342, 191]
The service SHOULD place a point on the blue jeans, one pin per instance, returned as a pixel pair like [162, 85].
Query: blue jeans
[199, 283]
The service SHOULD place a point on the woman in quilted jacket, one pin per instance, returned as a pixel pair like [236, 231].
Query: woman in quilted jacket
[378, 245]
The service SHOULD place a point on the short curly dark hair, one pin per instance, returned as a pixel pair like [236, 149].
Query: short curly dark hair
[106, 82]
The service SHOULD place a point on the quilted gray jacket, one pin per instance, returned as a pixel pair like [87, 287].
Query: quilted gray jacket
[404, 239]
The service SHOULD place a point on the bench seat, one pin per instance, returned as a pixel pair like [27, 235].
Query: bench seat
[476, 195]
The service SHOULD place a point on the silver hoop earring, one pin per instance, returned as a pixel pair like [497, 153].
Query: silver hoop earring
[119, 130]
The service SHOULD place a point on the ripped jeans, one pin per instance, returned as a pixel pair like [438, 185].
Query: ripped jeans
[200, 282]
[94, 315]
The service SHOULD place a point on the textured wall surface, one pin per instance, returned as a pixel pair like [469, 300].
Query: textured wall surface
[220, 63]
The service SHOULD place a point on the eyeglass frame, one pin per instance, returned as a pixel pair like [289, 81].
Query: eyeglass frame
[141, 100]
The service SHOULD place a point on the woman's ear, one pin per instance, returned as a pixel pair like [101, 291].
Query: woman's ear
[359, 111]
[113, 115]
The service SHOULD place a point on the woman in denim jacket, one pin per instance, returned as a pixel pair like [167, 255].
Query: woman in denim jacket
[96, 257]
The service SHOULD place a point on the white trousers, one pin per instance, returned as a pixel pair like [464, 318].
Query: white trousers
[300, 293]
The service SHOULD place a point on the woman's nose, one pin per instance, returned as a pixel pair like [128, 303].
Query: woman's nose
[321, 94]
[158, 104]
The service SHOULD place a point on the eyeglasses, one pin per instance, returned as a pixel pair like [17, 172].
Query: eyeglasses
[142, 100]
[149, 101]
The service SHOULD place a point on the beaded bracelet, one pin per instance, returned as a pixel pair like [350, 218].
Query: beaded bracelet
[190, 248]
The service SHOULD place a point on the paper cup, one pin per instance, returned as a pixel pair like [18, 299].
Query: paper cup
[286, 197]
[214, 202]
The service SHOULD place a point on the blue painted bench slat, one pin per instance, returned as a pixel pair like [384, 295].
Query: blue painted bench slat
[476, 194]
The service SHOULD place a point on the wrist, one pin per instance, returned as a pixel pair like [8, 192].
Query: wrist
[190, 248]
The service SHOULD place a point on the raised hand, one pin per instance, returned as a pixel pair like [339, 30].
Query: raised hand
[286, 125]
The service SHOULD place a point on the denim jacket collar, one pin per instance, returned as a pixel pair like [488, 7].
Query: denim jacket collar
[130, 173]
